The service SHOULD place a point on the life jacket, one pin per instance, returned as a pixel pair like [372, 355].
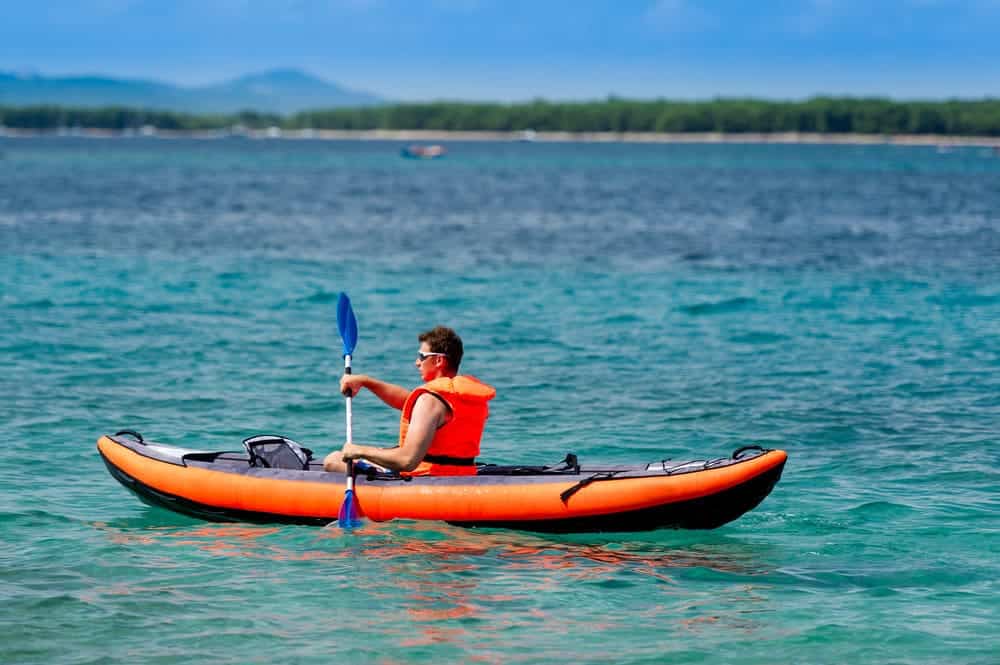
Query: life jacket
[456, 443]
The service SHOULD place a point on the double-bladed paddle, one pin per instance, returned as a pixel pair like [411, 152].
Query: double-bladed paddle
[347, 325]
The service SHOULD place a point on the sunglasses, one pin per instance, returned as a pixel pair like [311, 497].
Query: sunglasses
[421, 356]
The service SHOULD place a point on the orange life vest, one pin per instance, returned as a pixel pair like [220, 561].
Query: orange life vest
[456, 443]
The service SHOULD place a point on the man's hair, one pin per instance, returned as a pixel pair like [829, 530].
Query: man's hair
[444, 340]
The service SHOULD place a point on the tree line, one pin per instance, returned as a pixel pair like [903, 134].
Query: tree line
[825, 115]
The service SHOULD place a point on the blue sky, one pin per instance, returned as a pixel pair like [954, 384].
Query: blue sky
[510, 50]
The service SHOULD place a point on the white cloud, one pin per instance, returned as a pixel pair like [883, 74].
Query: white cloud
[678, 16]
[956, 4]
[457, 5]
[113, 7]
[814, 16]
[356, 5]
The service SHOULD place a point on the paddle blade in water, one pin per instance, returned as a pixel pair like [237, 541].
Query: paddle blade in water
[347, 324]
[350, 515]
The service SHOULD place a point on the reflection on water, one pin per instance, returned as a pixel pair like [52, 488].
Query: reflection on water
[443, 549]
[430, 584]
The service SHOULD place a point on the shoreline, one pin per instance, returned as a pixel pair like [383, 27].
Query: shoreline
[419, 136]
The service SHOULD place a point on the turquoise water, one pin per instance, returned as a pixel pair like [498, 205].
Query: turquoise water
[630, 303]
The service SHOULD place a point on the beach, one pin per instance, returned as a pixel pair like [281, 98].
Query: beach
[435, 136]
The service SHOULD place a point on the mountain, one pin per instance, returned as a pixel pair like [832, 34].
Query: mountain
[279, 91]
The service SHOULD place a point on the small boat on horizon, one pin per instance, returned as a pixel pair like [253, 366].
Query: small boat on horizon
[417, 151]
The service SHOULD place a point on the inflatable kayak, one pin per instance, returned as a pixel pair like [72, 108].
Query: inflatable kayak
[565, 498]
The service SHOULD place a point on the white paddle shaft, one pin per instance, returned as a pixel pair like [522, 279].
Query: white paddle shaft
[350, 425]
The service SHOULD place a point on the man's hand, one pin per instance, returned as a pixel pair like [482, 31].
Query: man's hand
[351, 384]
[350, 451]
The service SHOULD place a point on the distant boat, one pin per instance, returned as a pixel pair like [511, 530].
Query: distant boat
[423, 151]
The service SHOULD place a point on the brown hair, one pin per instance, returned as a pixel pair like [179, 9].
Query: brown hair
[444, 340]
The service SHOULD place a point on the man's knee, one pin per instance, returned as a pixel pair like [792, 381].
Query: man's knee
[334, 463]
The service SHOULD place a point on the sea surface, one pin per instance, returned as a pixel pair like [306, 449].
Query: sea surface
[630, 303]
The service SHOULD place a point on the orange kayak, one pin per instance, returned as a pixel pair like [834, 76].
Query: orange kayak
[567, 498]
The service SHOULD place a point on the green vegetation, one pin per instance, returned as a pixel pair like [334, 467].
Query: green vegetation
[121, 118]
[830, 115]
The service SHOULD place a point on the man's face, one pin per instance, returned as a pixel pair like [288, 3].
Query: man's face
[429, 366]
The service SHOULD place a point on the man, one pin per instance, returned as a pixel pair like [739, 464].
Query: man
[442, 421]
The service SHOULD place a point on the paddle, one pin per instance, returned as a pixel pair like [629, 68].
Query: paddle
[348, 326]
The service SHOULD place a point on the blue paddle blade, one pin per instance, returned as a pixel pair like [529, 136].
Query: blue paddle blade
[347, 324]
[349, 516]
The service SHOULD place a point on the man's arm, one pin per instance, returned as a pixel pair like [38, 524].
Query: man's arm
[428, 414]
[393, 395]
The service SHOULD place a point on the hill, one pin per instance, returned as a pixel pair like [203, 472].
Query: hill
[279, 91]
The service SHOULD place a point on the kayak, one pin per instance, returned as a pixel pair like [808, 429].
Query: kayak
[423, 151]
[568, 497]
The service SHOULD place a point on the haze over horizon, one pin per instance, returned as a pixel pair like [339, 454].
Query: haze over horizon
[513, 51]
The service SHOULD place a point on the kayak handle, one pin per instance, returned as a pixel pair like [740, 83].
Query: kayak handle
[737, 454]
[132, 433]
